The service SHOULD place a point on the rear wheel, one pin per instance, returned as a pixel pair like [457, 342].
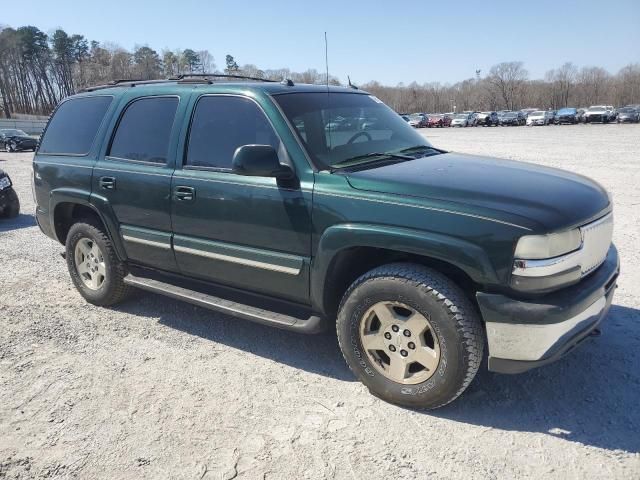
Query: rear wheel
[95, 269]
[410, 335]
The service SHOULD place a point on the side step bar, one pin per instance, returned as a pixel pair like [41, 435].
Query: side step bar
[313, 324]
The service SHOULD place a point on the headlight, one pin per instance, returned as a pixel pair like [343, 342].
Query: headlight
[547, 262]
[4, 183]
[534, 247]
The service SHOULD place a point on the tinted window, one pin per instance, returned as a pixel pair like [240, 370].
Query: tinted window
[74, 126]
[340, 127]
[222, 124]
[145, 129]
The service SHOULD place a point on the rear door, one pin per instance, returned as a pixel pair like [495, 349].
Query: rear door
[247, 232]
[133, 176]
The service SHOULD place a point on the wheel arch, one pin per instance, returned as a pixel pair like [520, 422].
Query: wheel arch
[68, 206]
[347, 251]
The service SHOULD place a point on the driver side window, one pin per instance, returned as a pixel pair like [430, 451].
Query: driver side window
[220, 125]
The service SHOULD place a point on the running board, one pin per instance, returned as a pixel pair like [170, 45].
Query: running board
[312, 324]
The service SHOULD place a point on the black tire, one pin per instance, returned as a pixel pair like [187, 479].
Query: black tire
[451, 314]
[113, 289]
[12, 207]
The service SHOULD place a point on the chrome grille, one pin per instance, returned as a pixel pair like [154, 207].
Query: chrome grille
[596, 240]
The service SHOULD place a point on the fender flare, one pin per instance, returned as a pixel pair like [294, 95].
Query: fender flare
[98, 204]
[468, 257]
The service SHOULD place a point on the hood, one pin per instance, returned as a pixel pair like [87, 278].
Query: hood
[522, 193]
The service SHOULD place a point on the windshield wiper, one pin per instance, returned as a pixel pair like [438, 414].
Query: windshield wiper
[380, 156]
[423, 147]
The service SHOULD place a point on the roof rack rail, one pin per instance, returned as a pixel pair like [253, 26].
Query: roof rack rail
[193, 77]
[183, 78]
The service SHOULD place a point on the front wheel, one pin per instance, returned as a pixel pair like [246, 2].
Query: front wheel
[410, 335]
[12, 205]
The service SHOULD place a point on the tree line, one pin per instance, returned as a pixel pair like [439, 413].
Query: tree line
[38, 69]
[508, 86]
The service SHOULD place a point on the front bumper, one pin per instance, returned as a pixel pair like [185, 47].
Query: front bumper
[524, 334]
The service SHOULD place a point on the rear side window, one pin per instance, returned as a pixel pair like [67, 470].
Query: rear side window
[144, 130]
[222, 124]
[74, 126]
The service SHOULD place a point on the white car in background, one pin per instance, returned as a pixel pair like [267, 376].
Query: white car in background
[462, 120]
[597, 114]
[539, 117]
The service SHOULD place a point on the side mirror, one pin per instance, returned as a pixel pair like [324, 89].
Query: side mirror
[259, 161]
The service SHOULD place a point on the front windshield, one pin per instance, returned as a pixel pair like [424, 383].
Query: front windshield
[508, 115]
[567, 110]
[372, 127]
[626, 110]
[416, 116]
[596, 109]
[537, 114]
[461, 116]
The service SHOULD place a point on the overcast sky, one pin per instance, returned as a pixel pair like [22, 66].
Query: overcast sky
[389, 41]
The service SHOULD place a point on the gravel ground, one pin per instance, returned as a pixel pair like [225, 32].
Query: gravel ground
[160, 389]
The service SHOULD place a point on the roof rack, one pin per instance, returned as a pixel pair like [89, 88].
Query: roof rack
[183, 78]
[205, 77]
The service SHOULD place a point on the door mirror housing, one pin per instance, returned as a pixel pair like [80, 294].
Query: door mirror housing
[260, 161]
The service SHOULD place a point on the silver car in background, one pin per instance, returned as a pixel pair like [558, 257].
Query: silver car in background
[539, 117]
[463, 120]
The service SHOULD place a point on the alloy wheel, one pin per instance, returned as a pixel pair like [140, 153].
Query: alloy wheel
[90, 265]
[400, 342]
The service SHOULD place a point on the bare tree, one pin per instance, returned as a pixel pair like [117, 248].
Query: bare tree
[508, 79]
[207, 63]
[593, 82]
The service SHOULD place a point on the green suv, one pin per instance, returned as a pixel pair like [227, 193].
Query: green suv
[306, 207]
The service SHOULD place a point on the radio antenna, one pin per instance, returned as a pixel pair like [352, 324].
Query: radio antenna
[326, 58]
[326, 65]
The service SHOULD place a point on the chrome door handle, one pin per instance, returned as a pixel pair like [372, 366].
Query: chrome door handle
[184, 194]
[108, 183]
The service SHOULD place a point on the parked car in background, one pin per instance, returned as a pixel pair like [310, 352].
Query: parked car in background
[512, 118]
[628, 115]
[9, 203]
[406, 118]
[462, 120]
[340, 123]
[613, 113]
[418, 120]
[540, 117]
[566, 115]
[14, 140]
[488, 119]
[439, 120]
[597, 113]
[527, 111]
[580, 114]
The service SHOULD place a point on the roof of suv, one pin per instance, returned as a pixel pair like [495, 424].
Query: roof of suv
[270, 88]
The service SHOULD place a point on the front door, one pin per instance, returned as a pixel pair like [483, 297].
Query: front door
[248, 232]
[134, 178]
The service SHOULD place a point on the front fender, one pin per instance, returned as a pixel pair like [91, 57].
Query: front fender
[467, 256]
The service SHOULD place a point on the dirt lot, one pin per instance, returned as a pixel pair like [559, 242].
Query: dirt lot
[159, 389]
